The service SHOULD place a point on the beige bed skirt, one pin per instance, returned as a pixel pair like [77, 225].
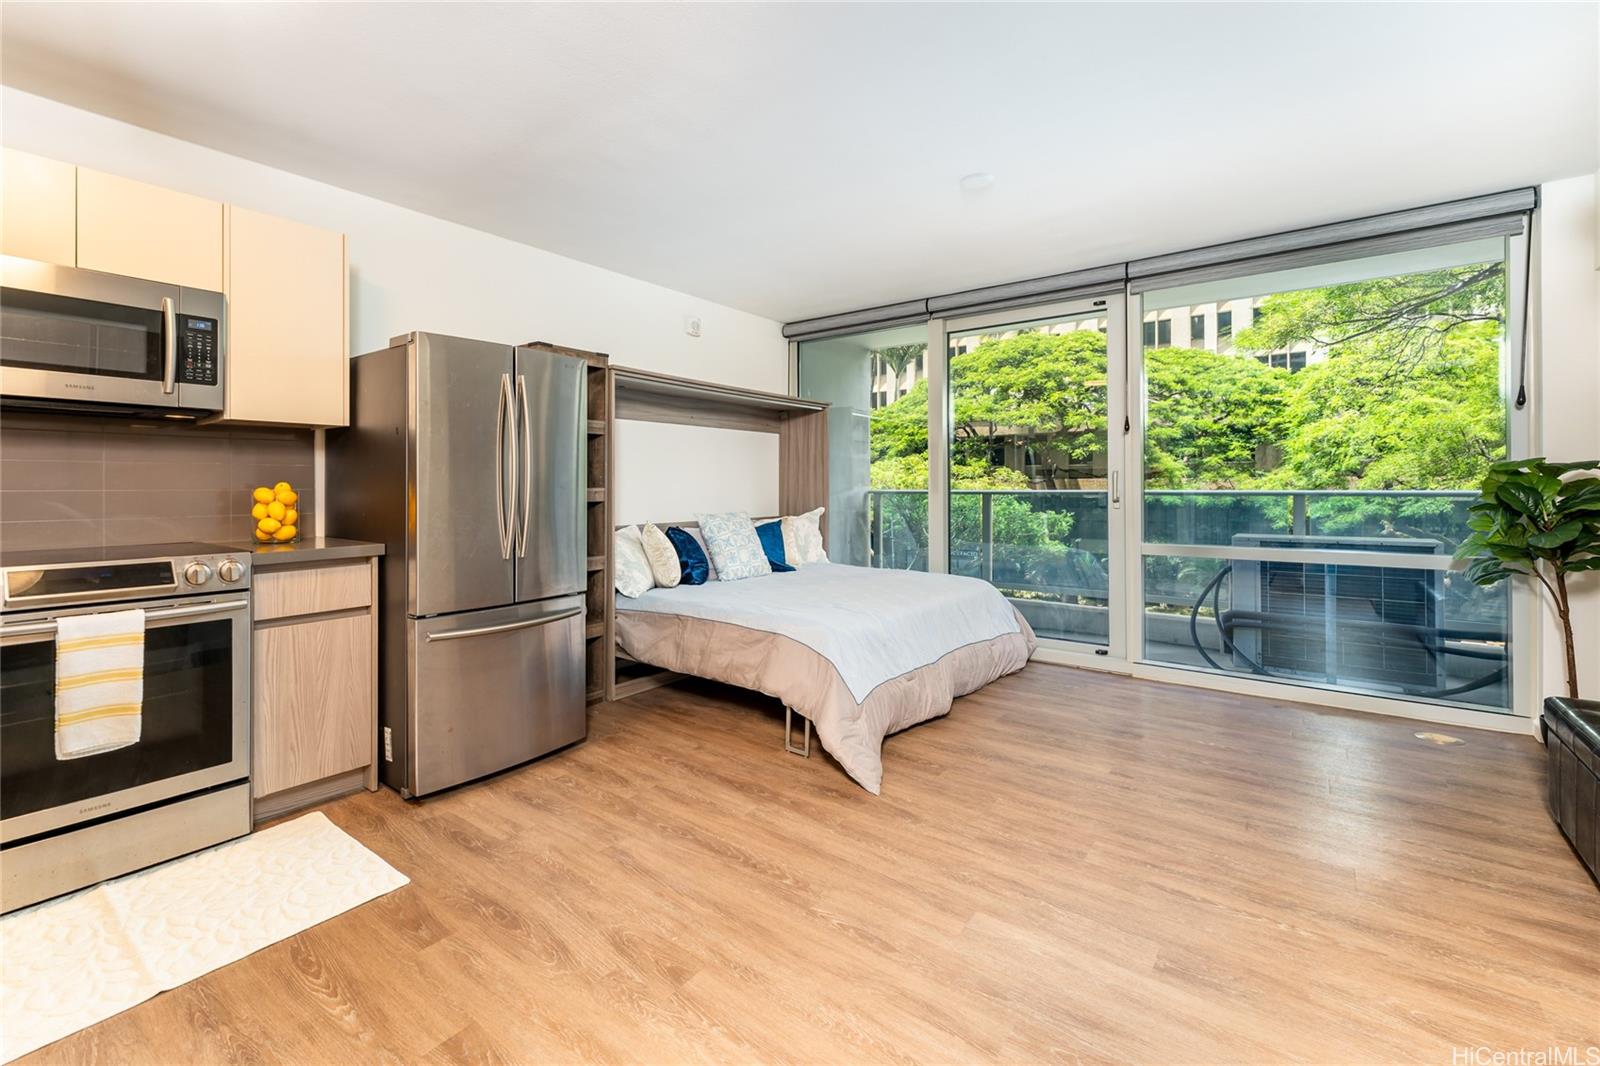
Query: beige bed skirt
[804, 680]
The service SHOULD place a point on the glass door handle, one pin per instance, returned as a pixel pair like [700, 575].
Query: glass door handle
[1116, 489]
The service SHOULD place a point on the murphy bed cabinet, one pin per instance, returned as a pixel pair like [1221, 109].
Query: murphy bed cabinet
[313, 684]
[286, 283]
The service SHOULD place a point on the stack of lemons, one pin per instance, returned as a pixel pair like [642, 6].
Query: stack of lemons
[274, 512]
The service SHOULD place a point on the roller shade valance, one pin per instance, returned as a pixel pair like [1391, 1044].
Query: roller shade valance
[1074, 285]
[1498, 214]
[871, 318]
[1501, 214]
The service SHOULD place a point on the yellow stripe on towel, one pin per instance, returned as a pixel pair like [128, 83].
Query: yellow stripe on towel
[113, 711]
[113, 640]
[99, 677]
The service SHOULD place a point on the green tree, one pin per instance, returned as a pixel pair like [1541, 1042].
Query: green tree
[1207, 413]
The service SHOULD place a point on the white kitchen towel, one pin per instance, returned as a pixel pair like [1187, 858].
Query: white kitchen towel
[99, 682]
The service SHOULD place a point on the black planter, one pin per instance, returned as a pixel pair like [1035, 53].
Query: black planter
[1572, 744]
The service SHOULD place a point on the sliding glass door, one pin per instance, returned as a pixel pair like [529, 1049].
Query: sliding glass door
[1312, 439]
[877, 386]
[1030, 467]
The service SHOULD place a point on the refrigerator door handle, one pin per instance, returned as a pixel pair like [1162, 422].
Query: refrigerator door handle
[500, 466]
[527, 465]
[526, 623]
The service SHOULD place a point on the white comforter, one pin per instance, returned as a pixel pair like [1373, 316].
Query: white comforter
[872, 625]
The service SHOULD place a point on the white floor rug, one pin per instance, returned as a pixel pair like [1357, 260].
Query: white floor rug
[77, 960]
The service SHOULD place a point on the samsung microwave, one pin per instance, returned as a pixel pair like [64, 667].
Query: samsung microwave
[82, 340]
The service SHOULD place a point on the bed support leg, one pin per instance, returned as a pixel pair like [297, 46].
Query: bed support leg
[788, 734]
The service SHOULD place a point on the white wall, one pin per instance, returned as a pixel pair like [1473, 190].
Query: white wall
[1567, 426]
[410, 271]
[745, 478]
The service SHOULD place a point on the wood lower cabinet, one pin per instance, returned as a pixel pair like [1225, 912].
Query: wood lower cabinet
[313, 683]
[39, 209]
[146, 231]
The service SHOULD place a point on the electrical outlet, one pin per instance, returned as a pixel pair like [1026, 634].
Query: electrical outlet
[691, 325]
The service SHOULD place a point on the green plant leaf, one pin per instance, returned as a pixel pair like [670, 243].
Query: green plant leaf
[1511, 465]
[1554, 538]
[1520, 497]
[1591, 563]
[1567, 468]
[1579, 484]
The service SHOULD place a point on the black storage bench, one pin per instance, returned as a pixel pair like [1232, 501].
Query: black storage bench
[1572, 743]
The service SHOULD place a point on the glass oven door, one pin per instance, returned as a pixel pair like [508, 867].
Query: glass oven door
[194, 730]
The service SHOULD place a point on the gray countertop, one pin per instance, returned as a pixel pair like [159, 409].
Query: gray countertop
[309, 550]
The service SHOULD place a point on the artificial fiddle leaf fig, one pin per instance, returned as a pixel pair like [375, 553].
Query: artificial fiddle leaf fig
[1534, 520]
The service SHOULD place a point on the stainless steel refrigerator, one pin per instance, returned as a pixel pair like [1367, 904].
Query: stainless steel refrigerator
[467, 460]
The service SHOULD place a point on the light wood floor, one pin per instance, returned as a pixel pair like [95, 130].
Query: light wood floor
[1069, 867]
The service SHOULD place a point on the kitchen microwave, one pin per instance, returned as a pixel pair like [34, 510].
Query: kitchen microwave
[74, 339]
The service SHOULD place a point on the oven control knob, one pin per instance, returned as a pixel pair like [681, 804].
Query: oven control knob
[229, 570]
[197, 573]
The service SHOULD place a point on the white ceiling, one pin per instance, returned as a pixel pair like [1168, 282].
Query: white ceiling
[800, 159]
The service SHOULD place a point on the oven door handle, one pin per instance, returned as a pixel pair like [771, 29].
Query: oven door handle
[157, 614]
[169, 344]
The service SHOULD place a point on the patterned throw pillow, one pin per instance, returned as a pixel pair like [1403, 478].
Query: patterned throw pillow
[735, 548]
[692, 565]
[802, 539]
[661, 555]
[633, 569]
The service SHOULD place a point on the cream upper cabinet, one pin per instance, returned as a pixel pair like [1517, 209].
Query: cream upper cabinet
[288, 352]
[39, 209]
[146, 231]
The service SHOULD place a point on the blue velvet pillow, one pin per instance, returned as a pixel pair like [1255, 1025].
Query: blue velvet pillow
[771, 534]
[691, 559]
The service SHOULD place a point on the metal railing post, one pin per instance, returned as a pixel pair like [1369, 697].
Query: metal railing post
[875, 541]
[1298, 523]
[986, 535]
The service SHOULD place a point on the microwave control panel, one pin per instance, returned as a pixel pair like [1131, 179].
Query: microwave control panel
[197, 350]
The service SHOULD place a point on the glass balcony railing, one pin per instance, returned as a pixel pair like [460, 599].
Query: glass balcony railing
[1397, 630]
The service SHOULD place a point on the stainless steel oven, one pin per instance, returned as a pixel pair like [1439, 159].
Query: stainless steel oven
[83, 340]
[184, 784]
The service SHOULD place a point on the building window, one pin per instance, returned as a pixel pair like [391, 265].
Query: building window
[1224, 324]
[1149, 334]
[1197, 330]
[1164, 333]
[1297, 360]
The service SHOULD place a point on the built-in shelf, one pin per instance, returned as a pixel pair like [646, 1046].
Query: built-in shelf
[597, 426]
[646, 396]
[596, 562]
[597, 495]
[595, 629]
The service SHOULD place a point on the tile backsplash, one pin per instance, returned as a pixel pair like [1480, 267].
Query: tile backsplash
[76, 481]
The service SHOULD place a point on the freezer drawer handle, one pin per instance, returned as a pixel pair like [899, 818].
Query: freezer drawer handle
[526, 623]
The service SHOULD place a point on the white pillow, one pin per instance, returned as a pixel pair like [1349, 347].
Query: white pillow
[661, 555]
[735, 546]
[629, 562]
[802, 539]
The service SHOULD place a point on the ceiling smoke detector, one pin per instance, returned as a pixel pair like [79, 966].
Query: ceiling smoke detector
[979, 181]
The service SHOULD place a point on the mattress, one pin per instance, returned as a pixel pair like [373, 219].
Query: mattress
[859, 651]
